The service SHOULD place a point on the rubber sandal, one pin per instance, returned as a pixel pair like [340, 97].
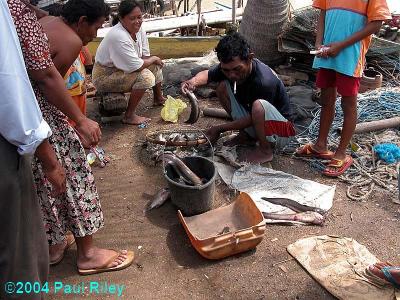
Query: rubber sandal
[389, 277]
[127, 262]
[374, 278]
[70, 241]
[340, 165]
[308, 151]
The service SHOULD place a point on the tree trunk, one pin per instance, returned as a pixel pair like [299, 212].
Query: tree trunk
[262, 22]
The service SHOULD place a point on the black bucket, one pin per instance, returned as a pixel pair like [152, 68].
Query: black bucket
[193, 200]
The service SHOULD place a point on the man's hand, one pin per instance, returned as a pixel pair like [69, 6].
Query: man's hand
[51, 168]
[334, 49]
[56, 177]
[89, 132]
[158, 61]
[188, 86]
[213, 134]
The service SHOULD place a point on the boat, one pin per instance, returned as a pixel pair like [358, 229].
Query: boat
[177, 46]
[173, 47]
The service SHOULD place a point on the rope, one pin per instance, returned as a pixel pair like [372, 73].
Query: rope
[364, 175]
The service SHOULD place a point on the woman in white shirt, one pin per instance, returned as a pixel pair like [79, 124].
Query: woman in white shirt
[123, 62]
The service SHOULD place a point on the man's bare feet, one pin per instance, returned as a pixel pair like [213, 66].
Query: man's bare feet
[241, 139]
[135, 120]
[256, 155]
[97, 258]
[376, 269]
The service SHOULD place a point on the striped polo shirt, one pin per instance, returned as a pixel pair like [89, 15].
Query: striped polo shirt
[344, 18]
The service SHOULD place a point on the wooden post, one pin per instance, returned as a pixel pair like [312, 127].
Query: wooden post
[198, 2]
[234, 12]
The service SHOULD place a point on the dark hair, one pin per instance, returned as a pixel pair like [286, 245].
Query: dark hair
[231, 46]
[92, 9]
[55, 9]
[125, 8]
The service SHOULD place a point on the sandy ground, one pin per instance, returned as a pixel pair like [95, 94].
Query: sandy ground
[167, 266]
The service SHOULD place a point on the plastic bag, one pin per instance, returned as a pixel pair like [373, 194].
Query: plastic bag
[172, 109]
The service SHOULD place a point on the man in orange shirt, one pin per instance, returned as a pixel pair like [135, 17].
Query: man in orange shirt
[343, 37]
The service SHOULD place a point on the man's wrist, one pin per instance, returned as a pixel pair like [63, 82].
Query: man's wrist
[80, 119]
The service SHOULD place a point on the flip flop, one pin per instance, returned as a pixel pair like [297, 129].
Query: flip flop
[340, 165]
[389, 277]
[70, 241]
[374, 278]
[127, 262]
[308, 151]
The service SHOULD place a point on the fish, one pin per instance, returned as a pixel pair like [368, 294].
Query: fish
[159, 198]
[309, 217]
[181, 168]
[293, 205]
[194, 108]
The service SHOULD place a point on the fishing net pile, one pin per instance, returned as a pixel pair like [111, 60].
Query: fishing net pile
[365, 173]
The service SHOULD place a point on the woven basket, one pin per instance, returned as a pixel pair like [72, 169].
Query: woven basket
[262, 23]
[152, 137]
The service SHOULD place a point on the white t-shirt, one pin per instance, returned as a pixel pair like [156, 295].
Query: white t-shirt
[119, 50]
[21, 123]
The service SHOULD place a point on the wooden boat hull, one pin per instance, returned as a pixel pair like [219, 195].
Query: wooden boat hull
[173, 47]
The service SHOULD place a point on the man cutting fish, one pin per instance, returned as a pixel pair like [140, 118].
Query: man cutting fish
[252, 95]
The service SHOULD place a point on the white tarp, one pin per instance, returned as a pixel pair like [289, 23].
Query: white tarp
[259, 182]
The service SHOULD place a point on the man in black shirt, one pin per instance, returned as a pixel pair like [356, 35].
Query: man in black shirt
[252, 95]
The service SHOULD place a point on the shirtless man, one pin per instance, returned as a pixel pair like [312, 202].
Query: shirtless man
[252, 95]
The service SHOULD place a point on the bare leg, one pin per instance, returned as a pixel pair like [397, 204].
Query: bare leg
[264, 152]
[223, 97]
[242, 138]
[130, 115]
[91, 257]
[328, 98]
[159, 99]
[349, 106]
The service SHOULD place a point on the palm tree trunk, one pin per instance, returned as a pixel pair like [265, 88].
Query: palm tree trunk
[262, 22]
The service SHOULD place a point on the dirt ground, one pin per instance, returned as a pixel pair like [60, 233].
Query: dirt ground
[167, 266]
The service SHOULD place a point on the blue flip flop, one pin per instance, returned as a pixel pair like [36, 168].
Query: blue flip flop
[389, 277]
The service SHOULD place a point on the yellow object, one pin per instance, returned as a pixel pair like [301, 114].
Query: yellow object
[354, 147]
[172, 109]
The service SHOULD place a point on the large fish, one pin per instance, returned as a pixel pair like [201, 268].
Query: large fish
[293, 205]
[181, 168]
[309, 217]
[194, 108]
[304, 213]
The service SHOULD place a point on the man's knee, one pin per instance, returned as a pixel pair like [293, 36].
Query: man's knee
[145, 80]
[257, 109]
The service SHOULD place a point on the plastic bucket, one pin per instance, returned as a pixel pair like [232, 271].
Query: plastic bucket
[192, 200]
